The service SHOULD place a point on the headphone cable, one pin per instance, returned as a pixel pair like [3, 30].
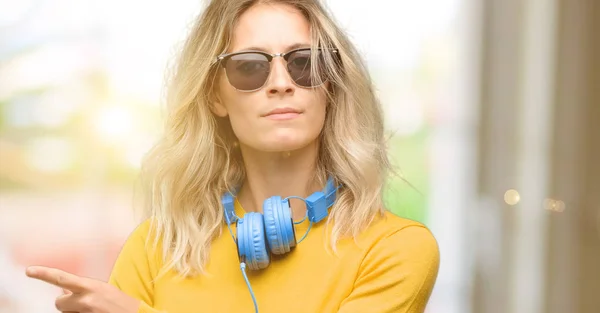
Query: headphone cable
[243, 268]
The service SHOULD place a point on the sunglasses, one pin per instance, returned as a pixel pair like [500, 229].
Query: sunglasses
[249, 70]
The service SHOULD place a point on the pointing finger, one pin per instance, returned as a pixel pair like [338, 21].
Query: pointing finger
[58, 278]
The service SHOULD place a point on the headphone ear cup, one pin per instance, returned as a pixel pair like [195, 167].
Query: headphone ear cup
[252, 246]
[279, 225]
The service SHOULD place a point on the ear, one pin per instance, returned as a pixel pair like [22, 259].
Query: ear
[218, 109]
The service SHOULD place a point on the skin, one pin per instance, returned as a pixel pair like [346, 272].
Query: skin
[279, 155]
[84, 295]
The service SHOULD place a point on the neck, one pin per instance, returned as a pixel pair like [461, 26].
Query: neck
[282, 173]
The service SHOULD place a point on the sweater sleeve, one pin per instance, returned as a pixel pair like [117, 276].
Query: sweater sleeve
[135, 269]
[397, 275]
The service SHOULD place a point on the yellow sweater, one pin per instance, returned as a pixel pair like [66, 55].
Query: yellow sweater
[392, 267]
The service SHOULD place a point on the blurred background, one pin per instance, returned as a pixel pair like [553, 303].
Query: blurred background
[494, 106]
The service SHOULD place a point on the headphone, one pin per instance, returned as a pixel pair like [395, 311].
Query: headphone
[272, 232]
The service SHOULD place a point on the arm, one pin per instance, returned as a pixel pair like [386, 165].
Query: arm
[397, 275]
[135, 269]
[129, 289]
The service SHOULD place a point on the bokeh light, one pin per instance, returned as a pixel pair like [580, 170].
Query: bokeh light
[554, 205]
[512, 197]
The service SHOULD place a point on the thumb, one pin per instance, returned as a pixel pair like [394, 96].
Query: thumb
[67, 292]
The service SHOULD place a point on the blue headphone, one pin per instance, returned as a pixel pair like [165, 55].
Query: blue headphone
[272, 232]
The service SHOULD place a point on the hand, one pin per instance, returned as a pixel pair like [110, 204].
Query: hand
[84, 295]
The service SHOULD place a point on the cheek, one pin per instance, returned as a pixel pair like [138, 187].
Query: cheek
[242, 125]
[319, 106]
[243, 119]
[317, 117]
[243, 115]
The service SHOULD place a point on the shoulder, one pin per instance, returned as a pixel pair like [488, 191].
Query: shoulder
[409, 243]
[144, 230]
[398, 269]
[398, 228]
[393, 227]
[139, 253]
[142, 240]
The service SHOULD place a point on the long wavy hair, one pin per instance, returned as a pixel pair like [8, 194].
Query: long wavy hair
[185, 174]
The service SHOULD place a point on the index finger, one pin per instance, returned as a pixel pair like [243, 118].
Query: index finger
[57, 277]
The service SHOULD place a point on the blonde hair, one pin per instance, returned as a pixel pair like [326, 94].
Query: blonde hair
[194, 163]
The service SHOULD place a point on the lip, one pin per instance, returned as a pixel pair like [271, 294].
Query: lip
[283, 113]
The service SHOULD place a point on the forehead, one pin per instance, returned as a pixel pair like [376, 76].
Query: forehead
[270, 27]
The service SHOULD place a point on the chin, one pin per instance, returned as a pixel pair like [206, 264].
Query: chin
[280, 140]
[283, 146]
[285, 143]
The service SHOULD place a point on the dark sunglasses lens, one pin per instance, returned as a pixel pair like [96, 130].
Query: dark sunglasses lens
[301, 71]
[247, 71]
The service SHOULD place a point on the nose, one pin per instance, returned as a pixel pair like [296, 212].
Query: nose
[280, 82]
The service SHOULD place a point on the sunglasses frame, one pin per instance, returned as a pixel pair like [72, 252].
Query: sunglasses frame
[222, 59]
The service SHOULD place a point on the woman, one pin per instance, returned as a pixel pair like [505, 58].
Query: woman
[269, 101]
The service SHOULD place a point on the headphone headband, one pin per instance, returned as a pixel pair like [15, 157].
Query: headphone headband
[227, 200]
[318, 203]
